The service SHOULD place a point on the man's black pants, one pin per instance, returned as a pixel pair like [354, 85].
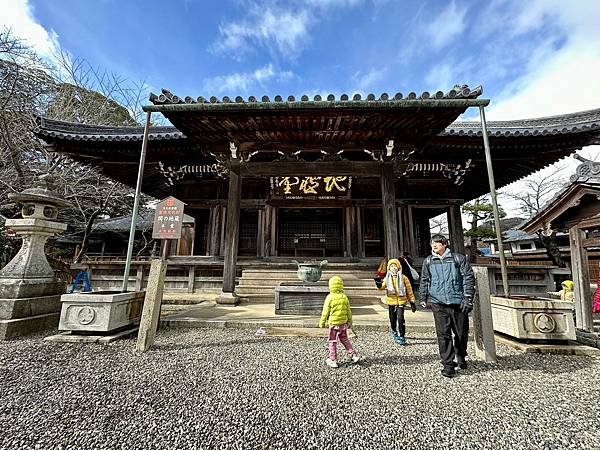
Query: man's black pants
[449, 321]
[396, 314]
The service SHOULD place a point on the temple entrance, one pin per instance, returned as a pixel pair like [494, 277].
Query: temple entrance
[373, 232]
[311, 232]
[248, 232]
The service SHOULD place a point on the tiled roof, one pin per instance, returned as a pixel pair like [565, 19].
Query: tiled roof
[585, 121]
[544, 126]
[458, 92]
[84, 132]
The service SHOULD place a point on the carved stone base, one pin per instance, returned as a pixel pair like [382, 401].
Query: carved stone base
[100, 311]
[228, 298]
[12, 328]
[533, 318]
[27, 288]
[23, 316]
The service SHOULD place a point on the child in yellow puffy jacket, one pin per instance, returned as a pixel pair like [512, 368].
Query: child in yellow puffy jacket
[398, 293]
[338, 315]
[567, 292]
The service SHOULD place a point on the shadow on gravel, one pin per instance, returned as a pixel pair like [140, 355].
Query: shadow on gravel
[550, 364]
[397, 360]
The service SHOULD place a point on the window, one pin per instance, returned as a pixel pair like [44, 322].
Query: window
[525, 246]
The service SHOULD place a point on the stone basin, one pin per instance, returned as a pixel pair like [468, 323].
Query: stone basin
[100, 311]
[530, 317]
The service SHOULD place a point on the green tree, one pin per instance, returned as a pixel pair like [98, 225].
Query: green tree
[479, 211]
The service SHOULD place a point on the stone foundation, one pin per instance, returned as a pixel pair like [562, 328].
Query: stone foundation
[300, 298]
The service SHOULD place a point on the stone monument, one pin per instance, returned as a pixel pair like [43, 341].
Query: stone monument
[29, 291]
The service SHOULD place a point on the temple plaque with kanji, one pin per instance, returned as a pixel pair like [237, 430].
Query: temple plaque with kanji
[168, 219]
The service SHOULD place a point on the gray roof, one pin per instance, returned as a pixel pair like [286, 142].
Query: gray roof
[565, 124]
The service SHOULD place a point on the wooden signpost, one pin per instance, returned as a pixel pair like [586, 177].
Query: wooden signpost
[168, 220]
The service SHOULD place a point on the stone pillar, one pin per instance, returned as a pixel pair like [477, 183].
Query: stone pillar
[483, 325]
[29, 292]
[388, 200]
[455, 229]
[232, 235]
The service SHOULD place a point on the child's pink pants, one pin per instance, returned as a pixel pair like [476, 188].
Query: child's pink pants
[341, 332]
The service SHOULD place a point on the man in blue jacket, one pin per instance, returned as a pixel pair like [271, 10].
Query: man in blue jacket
[448, 285]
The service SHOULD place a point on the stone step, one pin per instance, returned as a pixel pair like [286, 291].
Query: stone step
[292, 274]
[273, 283]
[270, 299]
[352, 290]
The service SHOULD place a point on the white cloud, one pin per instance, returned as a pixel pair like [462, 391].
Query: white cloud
[282, 30]
[18, 16]
[445, 27]
[242, 83]
[363, 81]
[562, 74]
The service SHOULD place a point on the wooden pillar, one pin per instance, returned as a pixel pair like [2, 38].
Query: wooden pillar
[260, 235]
[266, 230]
[581, 278]
[455, 229]
[274, 234]
[214, 230]
[388, 200]
[408, 242]
[360, 243]
[347, 232]
[139, 278]
[232, 235]
[222, 222]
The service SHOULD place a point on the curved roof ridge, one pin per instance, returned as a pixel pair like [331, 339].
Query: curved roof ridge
[586, 116]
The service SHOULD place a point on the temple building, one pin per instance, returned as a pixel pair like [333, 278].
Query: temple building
[350, 178]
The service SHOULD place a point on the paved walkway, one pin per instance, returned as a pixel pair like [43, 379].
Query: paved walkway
[210, 314]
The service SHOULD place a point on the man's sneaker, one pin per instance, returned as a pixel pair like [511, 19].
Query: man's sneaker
[401, 340]
[449, 372]
[355, 358]
[331, 363]
[462, 364]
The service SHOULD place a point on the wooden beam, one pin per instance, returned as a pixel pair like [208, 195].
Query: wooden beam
[319, 168]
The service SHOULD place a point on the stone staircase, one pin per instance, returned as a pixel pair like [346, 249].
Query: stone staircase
[258, 285]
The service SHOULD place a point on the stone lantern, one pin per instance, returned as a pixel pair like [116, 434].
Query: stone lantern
[29, 291]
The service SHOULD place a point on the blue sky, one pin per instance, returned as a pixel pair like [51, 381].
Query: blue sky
[534, 58]
[260, 47]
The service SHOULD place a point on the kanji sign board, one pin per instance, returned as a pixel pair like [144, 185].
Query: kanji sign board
[168, 219]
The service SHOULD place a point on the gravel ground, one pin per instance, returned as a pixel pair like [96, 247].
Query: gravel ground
[229, 389]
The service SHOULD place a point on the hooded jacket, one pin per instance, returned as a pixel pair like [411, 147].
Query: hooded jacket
[336, 308]
[566, 293]
[398, 288]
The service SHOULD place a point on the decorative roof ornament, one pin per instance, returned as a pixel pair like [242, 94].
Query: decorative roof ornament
[587, 170]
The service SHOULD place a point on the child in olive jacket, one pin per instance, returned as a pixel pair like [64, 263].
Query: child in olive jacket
[398, 293]
[338, 315]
